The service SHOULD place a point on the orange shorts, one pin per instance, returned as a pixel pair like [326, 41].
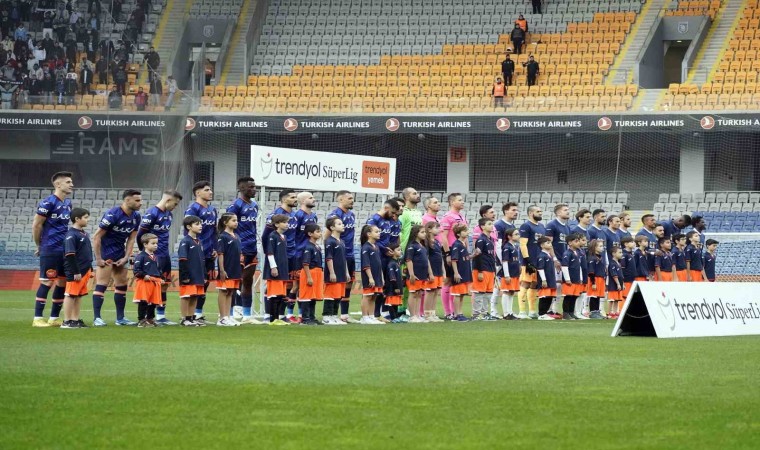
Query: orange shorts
[641, 279]
[547, 292]
[512, 286]
[227, 284]
[418, 285]
[372, 290]
[573, 289]
[78, 288]
[666, 276]
[681, 275]
[148, 291]
[277, 288]
[460, 289]
[394, 300]
[483, 286]
[335, 291]
[191, 290]
[434, 283]
[615, 296]
[626, 289]
[317, 289]
[527, 278]
[598, 292]
[696, 276]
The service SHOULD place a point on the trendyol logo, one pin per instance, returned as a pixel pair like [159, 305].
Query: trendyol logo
[604, 123]
[707, 123]
[392, 124]
[291, 124]
[84, 122]
[266, 165]
[666, 308]
[503, 124]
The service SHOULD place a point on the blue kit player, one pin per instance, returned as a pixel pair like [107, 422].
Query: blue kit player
[203, 209]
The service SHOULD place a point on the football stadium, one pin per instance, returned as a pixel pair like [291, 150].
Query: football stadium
[357, 187]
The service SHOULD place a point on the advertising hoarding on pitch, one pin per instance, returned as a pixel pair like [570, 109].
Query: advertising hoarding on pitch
[676, 309]
[322, 171]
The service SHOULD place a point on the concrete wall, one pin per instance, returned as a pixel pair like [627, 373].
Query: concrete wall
[648, 71]
[673, 31]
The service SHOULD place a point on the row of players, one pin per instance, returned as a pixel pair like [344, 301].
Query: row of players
[122, 225]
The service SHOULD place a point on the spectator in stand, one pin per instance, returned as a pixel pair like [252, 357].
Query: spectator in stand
[71, 48]
[94, 8]
[25, 8]
[106, 49]
[85, 77]
[171, 85]
[48, 87]
[7, 92]
[152, 61]
[91, 46]
[93, 23]
[141, 99]
[74, 17]
[39, 73]
[120, 78]
[101, 67]
[39, 53]
[532, 70]
[35, 89]
[518, 39]
[60, 87]
[116, 9]
[156, 90]
[20, 34]
[114, 98]
[522, 23]
[498, 91]
[5, 24]
[536, 6]
[71, 87]
[507, 70]
[47, 23]
[48, 44]
[209, 71]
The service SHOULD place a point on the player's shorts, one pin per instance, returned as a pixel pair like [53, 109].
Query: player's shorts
[277, 288]
[666, 276]
[641, 279]
[681, 275]
[696, 276]
[626, 289]
[210, 268]
[547, 292]
[418, 285]
[434, 283]
[250, 260]
[165, 266]
[114, 256]
[526, 277]
[372, 290]
[573, 289]
[485, 286]
[51, 267]
[394, 300]
[460, 289]
[228, 284]
[513, 285]
[191, 290]
[78, 288]
[615, 296]
[335, 291]
[295, 266]
[148, 291]
[598, 292]
[317, 289]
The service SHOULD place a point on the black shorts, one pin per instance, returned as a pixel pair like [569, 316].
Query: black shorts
[165, 267]
[250, 260]
[51, 267]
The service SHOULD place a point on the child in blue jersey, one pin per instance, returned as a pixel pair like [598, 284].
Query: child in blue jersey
[77, 267]
[461, 266]
[572, 276]
[372, 273]
[394, 282]
[336, 271]
[615, 282]
[510, 279]
[418, 267]
[484, 271]
[230, 271]
[438, 271]
[246, 210]
[345, 213]
[597, 273]
[288, 202]
[303, 217]
[695, 267]
[547, 279]
[711, 256]
[628, 266]
[148, 281]
[204, 210]
[679, 256]
[663, 261]
[158, 221]
[192, 271]
[276, 269]
[312, 278]
[641, 255]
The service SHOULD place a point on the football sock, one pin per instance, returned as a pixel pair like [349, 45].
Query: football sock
[237, 299]
[379, 300]
[532, 299]
[305, 308]
[271, 306]
[281, 306]
[543, 305]
[594, 304]
[313, 310]
[522, 300]
[568, 303]
[58, 294]
[554, 306]
[55, 310]
[142, 310]
[199, 305]
[161, 309]
[97, 300]
[447, 300]
[189, 318]
[247, 300]
[344, 306]
[39, 306]
[506, 304]
[151, 311]
[393, 311]
[327, 308]
[494, 302]
[120, 299]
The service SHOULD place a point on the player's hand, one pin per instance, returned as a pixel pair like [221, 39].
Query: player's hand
[448, 260]
[530, 269]
[100, 262]
[333, 278]
[480, 277]
[37, 252]
[275, 272]
[557, 265]
[213, 254]
[222, 275]
[457, 278]
[185, 281]
[310, 282]
[147, 278]
[620, 288]
[507, 280]
[688, 276]
[593, 287]
[476, 252]
[544, 285]
[121, 262]
[78, 277]
[371, 282]
[412, 279]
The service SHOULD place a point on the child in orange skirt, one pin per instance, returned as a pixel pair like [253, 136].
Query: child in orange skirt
[462, 268]
[596, 277]
[435, 283]
[663, 262]
[547, 278]
[484, 271]
[418, 266]
[372, 273]
[394, 282]
[229, 268]
[695, 267]
[77, 267]
[311, 281]
[679, 256]
[192, 271]
[276, 269]
[148, 282]
[337, 274]
[628, 266]
[510, 280]
[572, 275]
[615, 282]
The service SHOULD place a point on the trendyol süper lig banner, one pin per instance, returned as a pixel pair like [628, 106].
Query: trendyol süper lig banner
[288, 167]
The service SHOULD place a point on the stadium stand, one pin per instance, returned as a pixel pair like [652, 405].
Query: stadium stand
[695, 8]
[317, 55]
[216, 9]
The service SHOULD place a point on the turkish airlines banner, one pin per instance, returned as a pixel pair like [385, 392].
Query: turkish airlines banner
[288, 167]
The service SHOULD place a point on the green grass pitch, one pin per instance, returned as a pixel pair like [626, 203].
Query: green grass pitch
[482, 385]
